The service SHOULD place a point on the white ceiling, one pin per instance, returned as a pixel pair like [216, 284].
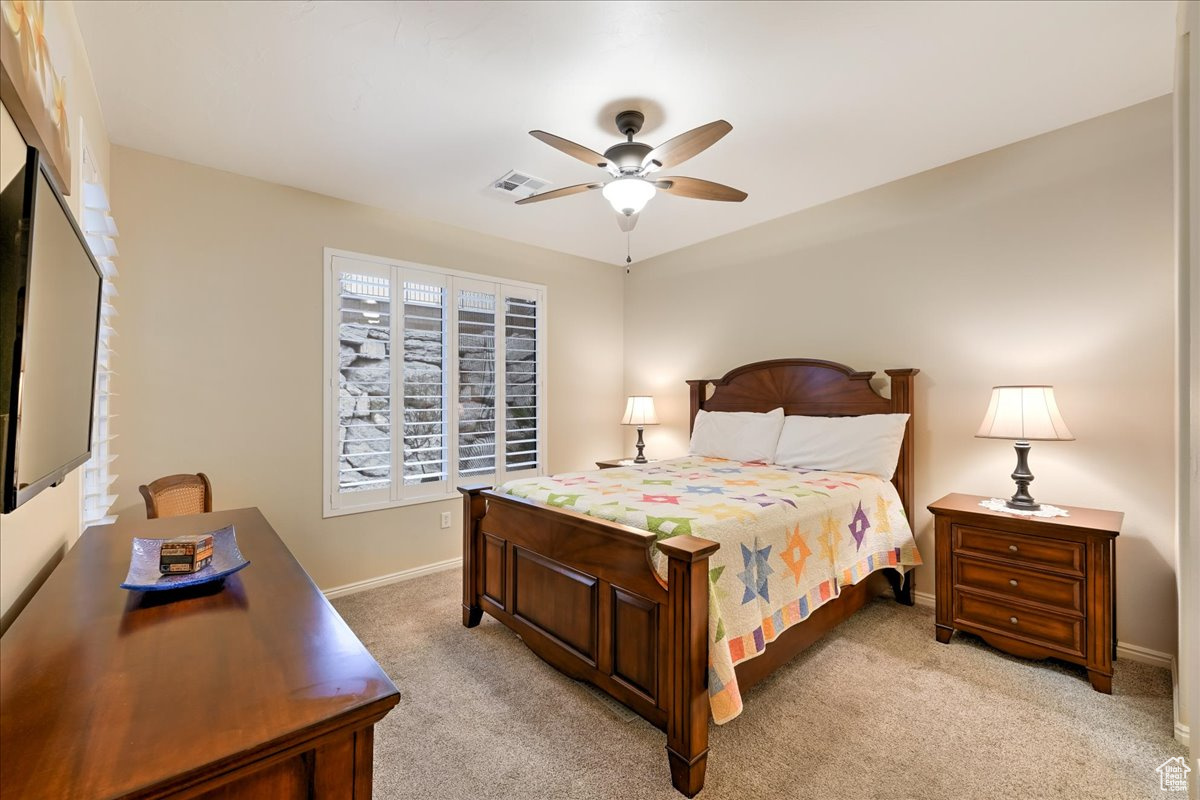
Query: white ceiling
[417, 107]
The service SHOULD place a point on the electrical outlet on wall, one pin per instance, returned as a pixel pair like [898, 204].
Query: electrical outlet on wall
[445, 519]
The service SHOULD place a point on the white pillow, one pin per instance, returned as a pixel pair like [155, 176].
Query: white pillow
[736, 435]
[869, 444]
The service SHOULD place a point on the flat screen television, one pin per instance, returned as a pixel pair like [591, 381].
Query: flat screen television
[50, 294]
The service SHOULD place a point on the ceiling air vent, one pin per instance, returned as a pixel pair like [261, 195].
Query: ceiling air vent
[518, 185]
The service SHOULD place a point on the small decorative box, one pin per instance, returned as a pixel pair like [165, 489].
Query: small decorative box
[145, 574]
[185, 554]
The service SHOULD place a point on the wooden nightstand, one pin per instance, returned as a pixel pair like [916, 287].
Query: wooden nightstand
[1035, 587]
[620, 462]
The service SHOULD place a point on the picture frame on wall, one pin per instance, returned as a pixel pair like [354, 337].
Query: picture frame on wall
[32, 89]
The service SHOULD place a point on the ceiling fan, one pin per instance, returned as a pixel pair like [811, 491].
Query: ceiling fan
[632, 166]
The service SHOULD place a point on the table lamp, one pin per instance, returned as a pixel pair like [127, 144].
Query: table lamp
[640, 411]
[1023, 413]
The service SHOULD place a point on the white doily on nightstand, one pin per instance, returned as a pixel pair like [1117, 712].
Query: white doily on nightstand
[1045, 511]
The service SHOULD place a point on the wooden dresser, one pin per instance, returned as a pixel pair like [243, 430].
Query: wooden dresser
[254, 690]
[1032, 586]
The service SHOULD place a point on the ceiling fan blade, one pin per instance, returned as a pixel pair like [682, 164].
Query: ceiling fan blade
[572, 149]
[699, 189]
[626, 223]
[563, 192]
[685, 145]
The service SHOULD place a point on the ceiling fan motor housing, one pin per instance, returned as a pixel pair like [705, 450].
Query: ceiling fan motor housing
[627, 156]
[630, 122]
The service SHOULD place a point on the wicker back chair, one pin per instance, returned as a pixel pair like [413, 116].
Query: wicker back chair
[175, 495]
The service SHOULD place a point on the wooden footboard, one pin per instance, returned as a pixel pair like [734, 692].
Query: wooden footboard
[584, 596]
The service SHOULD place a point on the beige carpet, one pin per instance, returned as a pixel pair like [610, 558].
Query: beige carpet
[876, 710]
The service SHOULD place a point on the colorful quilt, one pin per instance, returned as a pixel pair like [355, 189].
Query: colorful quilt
[790, 539]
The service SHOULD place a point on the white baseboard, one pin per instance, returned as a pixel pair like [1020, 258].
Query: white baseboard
[924, 599]
[1183, 734]
[1144, 655]
[395, 577]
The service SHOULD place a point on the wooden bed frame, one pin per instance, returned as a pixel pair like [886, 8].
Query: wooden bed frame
[582, 592]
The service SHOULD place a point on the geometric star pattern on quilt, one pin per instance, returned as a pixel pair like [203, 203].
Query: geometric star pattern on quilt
[882, 506]
[756, 572]
[831, 538]
[830, 483]
[723, 511]
[858, 526]
[571, 481]
[760, 499]
[717, 593]
[561, 499]
[800, 491]
[660, 498]
[664, 527]
[704, 490]
[796, 554]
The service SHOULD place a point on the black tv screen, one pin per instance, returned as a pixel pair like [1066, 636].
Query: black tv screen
[50, 293]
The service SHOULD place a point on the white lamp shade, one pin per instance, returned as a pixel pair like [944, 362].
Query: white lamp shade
[640, 411]
[628, 195]
[1025, 413]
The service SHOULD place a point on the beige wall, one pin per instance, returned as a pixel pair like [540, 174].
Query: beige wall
[1047, 261]
[35, 536]
[219, 363]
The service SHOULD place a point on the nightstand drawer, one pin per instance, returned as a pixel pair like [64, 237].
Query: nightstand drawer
[1021, 584]
[1058, 554]
[1013, 619]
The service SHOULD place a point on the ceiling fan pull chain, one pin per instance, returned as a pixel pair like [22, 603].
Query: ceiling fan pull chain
[628, 260]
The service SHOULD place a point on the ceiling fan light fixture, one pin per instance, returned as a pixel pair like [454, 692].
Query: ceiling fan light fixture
[628, 195]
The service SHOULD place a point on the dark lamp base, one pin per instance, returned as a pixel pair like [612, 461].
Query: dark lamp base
[1022, 500]
[1018, 504]
[641, 447]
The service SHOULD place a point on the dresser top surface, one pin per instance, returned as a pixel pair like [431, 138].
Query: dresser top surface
[1086, 519]
[105, 691]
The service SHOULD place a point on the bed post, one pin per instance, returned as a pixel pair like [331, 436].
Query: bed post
[696, 390]
[474, 507]
[687, 659]
[902, 403]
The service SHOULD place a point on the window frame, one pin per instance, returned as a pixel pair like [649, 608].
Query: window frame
[397, 494]
[97, 475]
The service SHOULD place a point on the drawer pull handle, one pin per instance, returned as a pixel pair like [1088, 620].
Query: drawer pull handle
[1012, 548]
[1013, 620]
[1012, 581]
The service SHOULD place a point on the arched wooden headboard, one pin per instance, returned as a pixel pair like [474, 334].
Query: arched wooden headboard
[814, 388]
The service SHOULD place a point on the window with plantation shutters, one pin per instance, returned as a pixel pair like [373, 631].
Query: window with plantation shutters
[100, 231]
[435, 379]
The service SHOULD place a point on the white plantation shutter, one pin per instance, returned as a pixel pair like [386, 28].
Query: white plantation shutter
[98, 476]
[363, 336]
[522, 415]
[477, 388]
[423, 385]
[461, 359]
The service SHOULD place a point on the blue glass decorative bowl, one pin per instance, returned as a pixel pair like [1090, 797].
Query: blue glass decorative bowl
[144, 575]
